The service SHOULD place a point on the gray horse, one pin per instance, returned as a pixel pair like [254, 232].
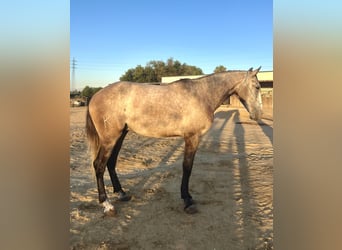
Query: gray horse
[183, 108]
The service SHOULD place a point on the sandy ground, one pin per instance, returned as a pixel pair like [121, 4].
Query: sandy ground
[231, 183]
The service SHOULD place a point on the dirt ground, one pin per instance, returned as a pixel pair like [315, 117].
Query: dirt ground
[231, 183]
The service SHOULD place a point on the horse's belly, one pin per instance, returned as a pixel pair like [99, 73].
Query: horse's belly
[155, 127]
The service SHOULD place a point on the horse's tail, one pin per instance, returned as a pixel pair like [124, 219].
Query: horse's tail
[93, 136]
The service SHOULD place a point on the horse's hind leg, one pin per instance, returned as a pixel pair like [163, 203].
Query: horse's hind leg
[100, 166]
[191, 145]
[111, 164]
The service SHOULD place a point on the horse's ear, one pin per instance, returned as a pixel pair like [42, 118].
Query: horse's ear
[256, 71]
[250, 69]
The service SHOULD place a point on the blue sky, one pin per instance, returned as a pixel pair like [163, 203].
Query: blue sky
[109, 37]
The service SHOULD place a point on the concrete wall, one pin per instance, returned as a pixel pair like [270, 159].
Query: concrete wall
[267, 101]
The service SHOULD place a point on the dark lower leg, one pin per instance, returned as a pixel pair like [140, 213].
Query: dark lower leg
[99, 171]
[111, 164]
[101, 188]
[185, 187]
[191, 144]
[114, 178]
[117, 186]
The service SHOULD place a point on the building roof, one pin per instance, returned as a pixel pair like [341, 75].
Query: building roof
[265, 76]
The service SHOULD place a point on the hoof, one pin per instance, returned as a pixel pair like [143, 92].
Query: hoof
[110, 213]
[124, 197]
[192, 209]
[109, 209]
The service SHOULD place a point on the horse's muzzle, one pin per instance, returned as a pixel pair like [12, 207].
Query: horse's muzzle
[255, 115]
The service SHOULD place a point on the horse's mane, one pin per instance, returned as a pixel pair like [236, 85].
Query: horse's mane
[223, 72]
[205, 76]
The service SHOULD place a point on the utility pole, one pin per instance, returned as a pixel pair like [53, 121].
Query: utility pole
[73, 87]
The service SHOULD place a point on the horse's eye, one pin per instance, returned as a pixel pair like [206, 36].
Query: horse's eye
[257, 87]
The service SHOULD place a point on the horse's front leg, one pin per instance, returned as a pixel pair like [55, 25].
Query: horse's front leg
[191, 145]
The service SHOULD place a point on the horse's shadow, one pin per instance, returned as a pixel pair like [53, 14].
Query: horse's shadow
[241, 172]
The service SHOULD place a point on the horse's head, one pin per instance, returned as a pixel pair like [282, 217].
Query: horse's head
[248, 91]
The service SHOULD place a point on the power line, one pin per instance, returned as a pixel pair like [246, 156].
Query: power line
[73, 87]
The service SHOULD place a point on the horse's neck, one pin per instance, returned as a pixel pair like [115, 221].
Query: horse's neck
[217, 88]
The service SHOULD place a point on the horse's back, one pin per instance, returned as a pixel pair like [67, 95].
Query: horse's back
[152, 110]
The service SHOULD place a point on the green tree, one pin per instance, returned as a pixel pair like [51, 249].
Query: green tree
[155, 70]
[150, 74]
[220, 68]
[191, 70]
[88, 92]
[158, 68]
[128, 76]
[139, 74]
